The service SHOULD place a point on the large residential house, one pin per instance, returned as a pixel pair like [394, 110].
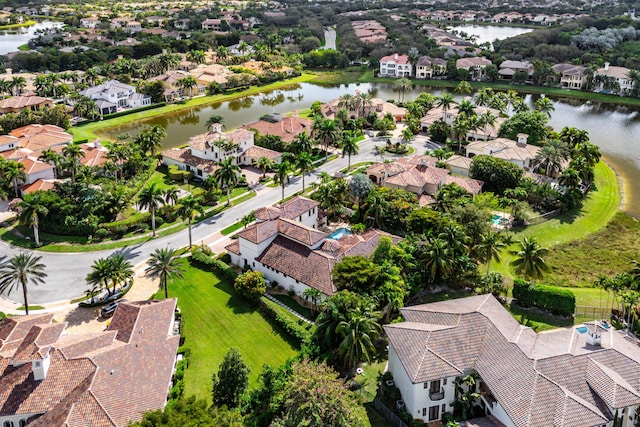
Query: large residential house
[15, 104]
[378, 106]
[110, 378]
[509, 67]
[395, 66]
[437, 114]
[204, 152]
[419, 175]
[286, 245]
[476, 65]
[517, 152]
[287, 128]
[111, 95]
[609, 74]
[571, 76]
[430, 68]
[585, 376]
[213, 73]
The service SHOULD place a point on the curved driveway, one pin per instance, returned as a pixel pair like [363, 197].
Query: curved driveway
[67, 271]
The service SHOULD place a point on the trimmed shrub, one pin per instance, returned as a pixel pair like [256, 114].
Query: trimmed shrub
[250, 285]
[550, 298]
[300, 330]
[101, 233]
[127, 223]
[214, 265]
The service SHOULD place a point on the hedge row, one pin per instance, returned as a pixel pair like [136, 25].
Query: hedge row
[214, 264]
[297, 328]
[550, 298]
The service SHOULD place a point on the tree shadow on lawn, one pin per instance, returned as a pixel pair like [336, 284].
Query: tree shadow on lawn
[527, 315]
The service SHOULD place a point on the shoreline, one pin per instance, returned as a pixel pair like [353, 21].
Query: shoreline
[29, 23]
[623, 184]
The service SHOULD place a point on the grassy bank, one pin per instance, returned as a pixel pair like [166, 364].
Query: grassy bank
[215, 319]
[23, 24]
[93, 130]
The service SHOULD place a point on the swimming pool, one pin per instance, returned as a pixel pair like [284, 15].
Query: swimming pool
[582, 329]
[495, 220]
[339, 233]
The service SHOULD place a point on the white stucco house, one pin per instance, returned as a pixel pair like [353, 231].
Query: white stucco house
[618, 74]
[206, 150]
[517, 152]
[585, 376]
[112, 95]
[395, 66]
[288, 247]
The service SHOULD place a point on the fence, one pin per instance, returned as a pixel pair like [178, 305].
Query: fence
[543, 218]
[388, 414]
[592, 312]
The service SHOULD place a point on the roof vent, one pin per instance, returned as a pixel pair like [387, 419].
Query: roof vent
[40, 367]
[594, 337]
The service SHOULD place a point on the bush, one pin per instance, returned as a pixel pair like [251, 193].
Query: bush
[302, 331]
[213, 264]
[101, 233]
[177, 174]
[225, 257]
[550, 298]
[250, 285]
[128, 223]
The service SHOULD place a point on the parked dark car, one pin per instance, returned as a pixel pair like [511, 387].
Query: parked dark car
[109, 309]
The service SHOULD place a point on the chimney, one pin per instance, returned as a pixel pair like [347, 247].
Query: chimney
[606, 66]
[216, 128]
[522, 139]
[396, 56]
[40, 368]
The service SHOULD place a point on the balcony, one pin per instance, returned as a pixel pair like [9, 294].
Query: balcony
[435, 396]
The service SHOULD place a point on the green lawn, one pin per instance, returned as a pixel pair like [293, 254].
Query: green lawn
[292, 303]
[216, 319]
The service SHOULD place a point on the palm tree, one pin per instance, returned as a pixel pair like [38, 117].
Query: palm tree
[544, 105]
[191, 206]
[282, 174]
[350, 146]
[347, 101]
[312, 295]
[467, 107]
[215, 119]
[304, 164]
[171, 195]
[52, 157]
[569, 178]
[222, 52]
[401, 86]
[226, 176]
[529, 260]
[460, 129]
[463, 87]
[31, 209]
[17, 84]
[490, 246]
[13, 172]
[166, 264]
[196, 56]
[72, 154]
[366, 101]
[121, 270]
[376, 208]
[552, 157]
[187, 84]
[445, 101]
[359, 332]
[100, 274]
[150, 140]
[19, 271]
[263, 163]
[151, 197]
[487, 118]
[327, 133]
[438, 259]
[302, 143]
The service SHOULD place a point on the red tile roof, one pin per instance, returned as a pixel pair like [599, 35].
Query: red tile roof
[287, 128]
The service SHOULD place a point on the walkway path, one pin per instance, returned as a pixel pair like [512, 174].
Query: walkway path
[67, 271]
[289, 309]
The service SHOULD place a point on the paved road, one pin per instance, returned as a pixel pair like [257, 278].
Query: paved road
[67, 271]
[329, 38]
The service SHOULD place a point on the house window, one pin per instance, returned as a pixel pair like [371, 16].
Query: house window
[426, 385]
[22, 422]
[8, 424]
[434, 387]
[444, 408]
[444, 381]
[37, 363]
[424, 412]
[434, 413]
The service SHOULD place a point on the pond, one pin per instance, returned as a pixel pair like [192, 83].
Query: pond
[488, 33]
[11, 39]
[615, 129]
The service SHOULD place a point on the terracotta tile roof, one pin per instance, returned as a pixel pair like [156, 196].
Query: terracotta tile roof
[19, 102]
[39, 185]
[33, 165]
[425, 200]
[267, 213]
[94, 155]
[233, 247]
[287, 128]
[472, 186]
[297, 206]
[538, 379]
[506, 149]
[300, 263]
[40, 137]
[260, 231]
[105, 379]
[297, 231]
[183, 155]
[256, 152]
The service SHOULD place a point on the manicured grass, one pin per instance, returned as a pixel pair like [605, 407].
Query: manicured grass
[356, 166]
[598, 208]
[92, 131]
[292, 303]
[230, 229]
[22, 24]
[216, 319]
[31, 307]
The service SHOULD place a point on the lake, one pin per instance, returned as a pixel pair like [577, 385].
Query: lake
[11, 39]
[488, 33]
[615, 129]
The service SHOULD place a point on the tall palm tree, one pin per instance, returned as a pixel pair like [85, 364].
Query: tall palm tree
[263, 163]
[327, 132]
[151, 197]
[282, 174]
[438, 259]
[17, 84]
[350, 146]
[171, 195]
[13, 172]
[376, 208]
[21, 270]
[191, 206]
[166, 264]
[302, 143]
[214, 120]
[463, 87]
[401, 86]
[72, 154]
[52, 157]
[366, 101]
[445, 101]
[187, 84]
[121, 270]
[100, 274]
[487, 118]
[467, 107]
[31, 209]
[552, 157]
[544, 105]
[529, 261]
[226, 176]
[346, 101]
[150, 140]
[196, 56]
[359, 332]
[490, 246]
[304, 164]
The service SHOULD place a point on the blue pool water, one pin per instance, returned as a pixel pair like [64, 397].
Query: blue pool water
[495, 220]
[604, 325]
[339, 233]
[582, 329]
